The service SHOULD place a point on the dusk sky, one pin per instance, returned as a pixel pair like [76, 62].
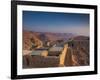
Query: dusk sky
[56, 22]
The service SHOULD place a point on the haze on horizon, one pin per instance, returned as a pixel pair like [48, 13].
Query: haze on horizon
[75, 23]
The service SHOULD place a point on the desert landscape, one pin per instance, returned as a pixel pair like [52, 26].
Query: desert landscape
[45, 49]
[55, 39]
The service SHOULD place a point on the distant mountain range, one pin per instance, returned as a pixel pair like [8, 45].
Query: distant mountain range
[81, 38]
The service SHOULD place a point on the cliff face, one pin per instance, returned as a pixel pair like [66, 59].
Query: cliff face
[29, 39]
[80, 51]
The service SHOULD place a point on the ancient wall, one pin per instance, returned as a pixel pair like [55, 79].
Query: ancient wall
[40, 61]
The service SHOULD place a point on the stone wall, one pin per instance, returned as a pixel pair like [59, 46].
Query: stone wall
[40, 61]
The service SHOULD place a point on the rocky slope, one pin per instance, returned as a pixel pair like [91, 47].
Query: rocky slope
[38, 38]
[80, 51]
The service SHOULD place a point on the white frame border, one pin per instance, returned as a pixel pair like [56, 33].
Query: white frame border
[21, 71]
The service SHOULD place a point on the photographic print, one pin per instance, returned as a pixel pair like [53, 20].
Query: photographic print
[53, 39]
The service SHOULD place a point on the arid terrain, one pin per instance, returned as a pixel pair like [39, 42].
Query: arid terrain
[46, 49]
[41, 38]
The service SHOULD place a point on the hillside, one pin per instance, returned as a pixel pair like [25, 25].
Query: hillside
[80, 51]
[38, 39]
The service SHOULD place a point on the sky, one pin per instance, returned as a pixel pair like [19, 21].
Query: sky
[76, 23]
